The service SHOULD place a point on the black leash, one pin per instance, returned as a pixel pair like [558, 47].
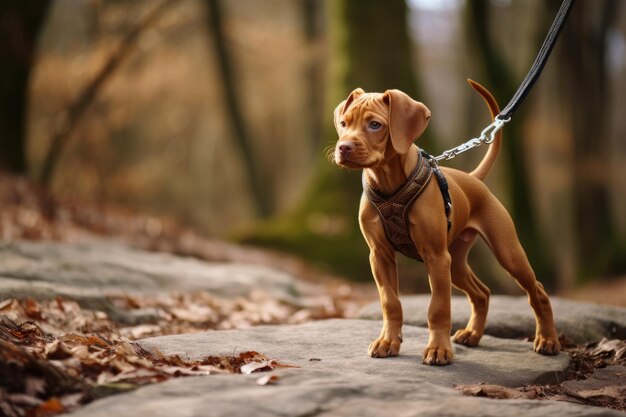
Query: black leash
[540, 61]
[489, 133]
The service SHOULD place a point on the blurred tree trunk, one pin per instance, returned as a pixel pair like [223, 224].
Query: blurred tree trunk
[89, 93]
[582, 58]
[369, 48]
[20, 25]
[501, 80]
[261, 192]
[312, 11]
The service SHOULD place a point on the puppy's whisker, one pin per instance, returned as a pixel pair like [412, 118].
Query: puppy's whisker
[330, 153]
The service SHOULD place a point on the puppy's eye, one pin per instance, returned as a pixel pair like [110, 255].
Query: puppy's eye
[375, 125]
[342, 124]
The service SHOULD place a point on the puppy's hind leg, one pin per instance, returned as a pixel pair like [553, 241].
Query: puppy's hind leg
[477, 293]
[499, 233]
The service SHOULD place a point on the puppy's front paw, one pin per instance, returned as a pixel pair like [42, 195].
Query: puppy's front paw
[547, 345]
[437, 355]
[385, 346]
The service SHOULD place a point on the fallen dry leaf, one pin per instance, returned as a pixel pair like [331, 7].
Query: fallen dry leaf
[141, 331]
[6, 303]
[32, 310]
[256, 367]
[51, 406]
[491, 391]
[267, 379]
[278, 365]
[613, 391]
[614, 350]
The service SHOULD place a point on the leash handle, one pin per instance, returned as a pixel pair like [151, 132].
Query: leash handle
[540, 61]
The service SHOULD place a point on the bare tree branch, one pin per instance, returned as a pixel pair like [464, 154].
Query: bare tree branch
[260, 191]
[86, 97]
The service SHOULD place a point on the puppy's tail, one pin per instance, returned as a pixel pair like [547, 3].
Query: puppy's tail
[485, 165]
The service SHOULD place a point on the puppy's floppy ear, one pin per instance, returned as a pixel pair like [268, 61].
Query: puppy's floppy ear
[407, 119]
[343, 106]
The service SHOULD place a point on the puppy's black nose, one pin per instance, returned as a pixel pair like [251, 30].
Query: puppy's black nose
[345, 147]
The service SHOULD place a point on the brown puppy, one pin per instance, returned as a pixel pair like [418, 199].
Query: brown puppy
[376, 134]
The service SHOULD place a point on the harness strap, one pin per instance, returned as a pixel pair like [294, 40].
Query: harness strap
[394, 210]
[443, 186]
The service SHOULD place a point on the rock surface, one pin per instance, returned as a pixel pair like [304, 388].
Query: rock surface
[604, 382]
[512, 317]
[322, 394]
[342, 346]
[83, 271]
[88, 273]
[342, 380]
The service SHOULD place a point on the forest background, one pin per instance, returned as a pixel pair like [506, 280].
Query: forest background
[218, 113]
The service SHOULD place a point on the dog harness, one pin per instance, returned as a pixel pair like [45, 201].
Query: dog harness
[394, 210]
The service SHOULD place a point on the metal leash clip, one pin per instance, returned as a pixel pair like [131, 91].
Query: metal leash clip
[494, 127]
[487, 136]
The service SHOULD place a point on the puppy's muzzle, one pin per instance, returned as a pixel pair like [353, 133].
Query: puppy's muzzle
[344, 150]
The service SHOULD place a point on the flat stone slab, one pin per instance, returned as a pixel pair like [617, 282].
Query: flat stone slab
[341, 345]
[512, 317]
[342, 380]
[319, 394]
[44, 270]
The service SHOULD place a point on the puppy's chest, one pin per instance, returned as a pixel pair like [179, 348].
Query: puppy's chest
[394, 210]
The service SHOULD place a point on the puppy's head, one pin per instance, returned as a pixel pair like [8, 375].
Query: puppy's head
[376, 126]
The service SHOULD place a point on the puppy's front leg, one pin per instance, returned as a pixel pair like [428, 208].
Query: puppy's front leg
[439, 349]
[383, 263]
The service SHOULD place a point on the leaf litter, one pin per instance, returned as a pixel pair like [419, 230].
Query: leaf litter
[596, 376]
[56, 356]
